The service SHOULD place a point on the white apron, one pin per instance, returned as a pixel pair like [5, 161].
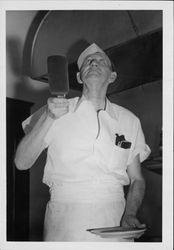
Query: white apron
[73, 209]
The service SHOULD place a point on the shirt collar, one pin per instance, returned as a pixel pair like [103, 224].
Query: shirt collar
[110, 108]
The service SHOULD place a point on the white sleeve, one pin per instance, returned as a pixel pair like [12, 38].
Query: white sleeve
[30, 122]
[139, 145]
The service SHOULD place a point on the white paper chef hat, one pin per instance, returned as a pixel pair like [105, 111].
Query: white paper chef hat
[93, 48]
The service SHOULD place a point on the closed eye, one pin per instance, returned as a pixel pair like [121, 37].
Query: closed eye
[88, 60]
[102, 60]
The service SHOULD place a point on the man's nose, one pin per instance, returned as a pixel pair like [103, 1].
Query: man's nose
[94, 62]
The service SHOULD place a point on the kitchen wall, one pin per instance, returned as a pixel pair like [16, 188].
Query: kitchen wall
[19, 86]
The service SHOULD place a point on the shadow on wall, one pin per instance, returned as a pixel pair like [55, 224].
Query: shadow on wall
[76, 49]
[24, 87]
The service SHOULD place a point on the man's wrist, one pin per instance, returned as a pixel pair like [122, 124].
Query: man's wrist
[47, 119]
[127, 214]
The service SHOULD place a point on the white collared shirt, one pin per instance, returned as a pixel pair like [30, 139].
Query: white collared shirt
[82, 144]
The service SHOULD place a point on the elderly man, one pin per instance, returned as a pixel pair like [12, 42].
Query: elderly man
[94, 148]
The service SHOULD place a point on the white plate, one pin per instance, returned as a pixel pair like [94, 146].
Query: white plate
[118, 232]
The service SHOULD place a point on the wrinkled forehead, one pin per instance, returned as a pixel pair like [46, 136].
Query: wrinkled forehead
[97, 55]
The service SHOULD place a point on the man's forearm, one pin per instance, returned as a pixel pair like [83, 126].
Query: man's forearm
[32, 144]
[135, 197]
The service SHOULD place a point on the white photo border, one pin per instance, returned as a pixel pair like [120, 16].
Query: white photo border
[167, 8]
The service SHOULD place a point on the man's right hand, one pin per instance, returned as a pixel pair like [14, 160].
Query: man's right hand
[57, 107]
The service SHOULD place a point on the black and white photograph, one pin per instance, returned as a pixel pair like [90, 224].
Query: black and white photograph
[87, 125]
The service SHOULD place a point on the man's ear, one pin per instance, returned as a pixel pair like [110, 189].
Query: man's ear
[79, 78]
[113, 77]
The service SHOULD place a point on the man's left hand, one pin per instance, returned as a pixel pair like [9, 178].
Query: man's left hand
[131, 221]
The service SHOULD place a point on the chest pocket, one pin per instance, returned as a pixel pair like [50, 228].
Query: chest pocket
[118, 158]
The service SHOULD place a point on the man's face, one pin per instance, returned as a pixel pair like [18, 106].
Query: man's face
[96, 67]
